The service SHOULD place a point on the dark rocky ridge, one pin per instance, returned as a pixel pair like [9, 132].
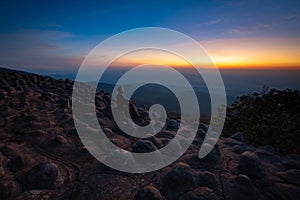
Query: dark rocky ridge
[41, 156]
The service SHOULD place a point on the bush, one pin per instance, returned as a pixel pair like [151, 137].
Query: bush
[271, 117]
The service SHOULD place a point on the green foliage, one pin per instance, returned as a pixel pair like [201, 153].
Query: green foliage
[271, 117]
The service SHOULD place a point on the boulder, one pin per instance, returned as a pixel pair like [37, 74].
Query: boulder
[166, 134]
[59, 139]
[238, 187]
[9, 189]
[42, 176]
[250, 164]
[148, 193]
[108, 132]
[173, 124]
[208, 179]
[180, 176]
[201, 193]
[238, 136]
[155, 141]
[213, 157]
[144, 115]
[19, 162]
[3, 94]
[143, 146]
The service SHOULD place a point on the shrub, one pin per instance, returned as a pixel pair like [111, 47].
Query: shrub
[271, 117]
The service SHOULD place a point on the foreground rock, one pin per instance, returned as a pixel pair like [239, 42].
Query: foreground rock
[250, 165]
[41, 156]
[148, 193]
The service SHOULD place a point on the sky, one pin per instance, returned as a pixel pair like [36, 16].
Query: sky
[56, 36]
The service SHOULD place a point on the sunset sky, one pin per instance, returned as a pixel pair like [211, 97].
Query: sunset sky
[56, 36]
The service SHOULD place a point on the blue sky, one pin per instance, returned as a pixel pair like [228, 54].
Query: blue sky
[56, 35]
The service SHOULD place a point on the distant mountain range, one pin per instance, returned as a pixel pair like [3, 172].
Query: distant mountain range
[150, 94]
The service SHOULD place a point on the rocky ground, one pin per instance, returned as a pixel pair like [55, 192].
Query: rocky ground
[42, 157]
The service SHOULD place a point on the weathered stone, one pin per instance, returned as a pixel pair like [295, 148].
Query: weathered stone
[173, 124]
[107, 131]
[180, 176]
[60, 139]
[282, 191]
[208, 179]
[239, 187]
[143, 146]
[19, 162]
[148, 193]
[213, 157]
[249, 164]
[201, 193]
[166, 134]
[144, 115]
[2, 158]
[3, 94]
[42, 176]
[67, 80]
[3, 83]
[291, 176]
[238, 136]
[34, 79]
[1, 170]
[38, 194]
[201, 133]
[9, 189]
[203, 127]
[155, 141]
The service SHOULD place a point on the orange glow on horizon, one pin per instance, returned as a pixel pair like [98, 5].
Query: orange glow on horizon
[255, 53]
[242, 53]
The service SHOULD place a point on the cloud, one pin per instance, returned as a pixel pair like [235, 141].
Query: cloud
[247, 30]
[290, 17]
[51, 25]
[213, 22]
[37, 49]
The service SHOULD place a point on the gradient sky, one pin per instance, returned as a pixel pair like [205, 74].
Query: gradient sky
[56, 36]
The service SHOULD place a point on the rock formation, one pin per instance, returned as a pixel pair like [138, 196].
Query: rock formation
[42, 157]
